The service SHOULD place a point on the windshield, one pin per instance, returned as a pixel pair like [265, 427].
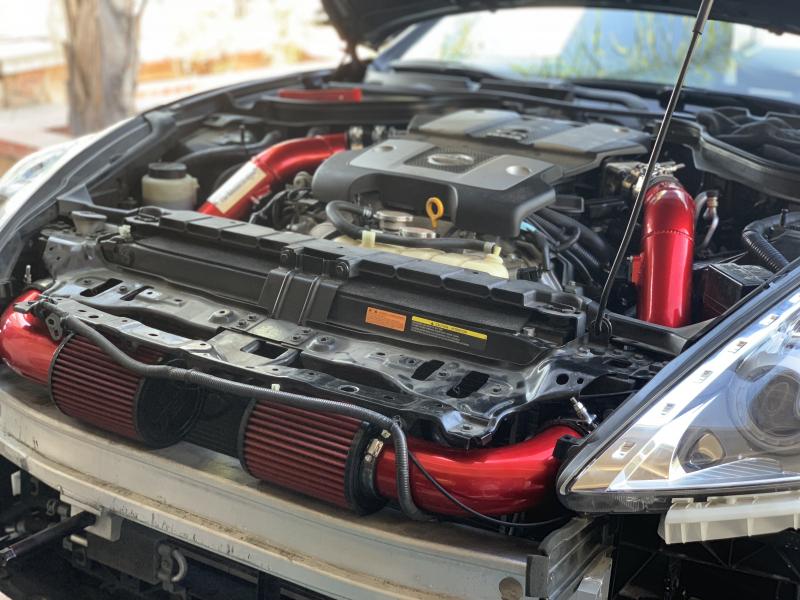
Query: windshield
[582, 43]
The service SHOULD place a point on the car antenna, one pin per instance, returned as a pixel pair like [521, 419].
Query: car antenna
[697, 32]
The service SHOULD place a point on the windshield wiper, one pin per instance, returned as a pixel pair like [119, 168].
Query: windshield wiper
[490, 80]
[556, 94]
[597, 94]
[692, 95]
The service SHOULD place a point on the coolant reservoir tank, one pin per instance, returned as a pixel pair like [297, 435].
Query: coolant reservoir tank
[490, 263]
[168, 185]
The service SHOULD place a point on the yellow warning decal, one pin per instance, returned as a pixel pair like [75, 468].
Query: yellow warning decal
[445, 332]
[448, 327]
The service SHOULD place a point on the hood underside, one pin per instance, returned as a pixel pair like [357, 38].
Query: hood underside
[370, 22]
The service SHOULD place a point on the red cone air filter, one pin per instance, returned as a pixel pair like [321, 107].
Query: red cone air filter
[315, 453]
[87, 385]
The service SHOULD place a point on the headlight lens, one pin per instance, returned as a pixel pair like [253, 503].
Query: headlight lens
[30, 168]
[733, 424]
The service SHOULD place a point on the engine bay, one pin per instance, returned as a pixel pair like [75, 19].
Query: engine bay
[439, 272]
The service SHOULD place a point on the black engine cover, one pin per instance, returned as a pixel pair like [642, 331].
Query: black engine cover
[491, 168]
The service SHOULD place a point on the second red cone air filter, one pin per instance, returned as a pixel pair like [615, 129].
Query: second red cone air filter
[87, 385]
[315, 453]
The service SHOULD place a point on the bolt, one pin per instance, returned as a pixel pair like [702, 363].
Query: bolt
[241, 323]
[252, 317]
[582, 413]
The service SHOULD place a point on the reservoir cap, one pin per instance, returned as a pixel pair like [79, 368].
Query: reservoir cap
[166, 170]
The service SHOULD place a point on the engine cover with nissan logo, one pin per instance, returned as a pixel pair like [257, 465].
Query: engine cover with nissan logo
[490, 168]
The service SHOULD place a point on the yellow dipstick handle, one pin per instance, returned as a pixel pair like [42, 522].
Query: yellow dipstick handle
[434, 208]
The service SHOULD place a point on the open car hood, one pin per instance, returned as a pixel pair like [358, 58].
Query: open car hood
[370, 22]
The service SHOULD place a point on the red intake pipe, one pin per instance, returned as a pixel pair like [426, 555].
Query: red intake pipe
[235, 198]
[311, 452]
[25, 344]
[493, 481]
[663, 271]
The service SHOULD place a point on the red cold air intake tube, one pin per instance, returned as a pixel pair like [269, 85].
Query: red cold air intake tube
[275, 165]
[663, 271]
[492, 481]
[318, 454]
[25, 344]
[322, 455]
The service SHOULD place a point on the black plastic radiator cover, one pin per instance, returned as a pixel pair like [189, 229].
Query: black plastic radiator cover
[302, 279]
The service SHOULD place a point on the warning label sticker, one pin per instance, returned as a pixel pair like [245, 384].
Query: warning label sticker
[448, 333]
[385, 318]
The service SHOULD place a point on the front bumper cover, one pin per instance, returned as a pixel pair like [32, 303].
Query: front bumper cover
[205, 499]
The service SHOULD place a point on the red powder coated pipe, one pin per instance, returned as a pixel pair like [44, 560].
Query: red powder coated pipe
[663, 271]
[493, 481]
[234, 199]
[25, 345]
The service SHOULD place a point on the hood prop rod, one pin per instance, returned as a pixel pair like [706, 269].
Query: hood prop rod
[658, 145]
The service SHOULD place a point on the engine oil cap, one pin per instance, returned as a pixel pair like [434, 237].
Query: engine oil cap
[393, 220]
[417, 232]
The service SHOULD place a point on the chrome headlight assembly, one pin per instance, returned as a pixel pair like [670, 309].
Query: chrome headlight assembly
[729, 424]
[30, 168]
[27, 175]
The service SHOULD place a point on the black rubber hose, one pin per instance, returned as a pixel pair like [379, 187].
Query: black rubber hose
[588, 259]
[571, 237]
[577, 255]
[763, 251]
[578, 262]
[245, 390]
[542, 245]
[589, 239]
[754, 238]
[578, 250]
[37, 540]
[568, 257]
[230, 152]
[334, 210]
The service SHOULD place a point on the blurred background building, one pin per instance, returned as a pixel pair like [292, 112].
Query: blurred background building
[183, 47]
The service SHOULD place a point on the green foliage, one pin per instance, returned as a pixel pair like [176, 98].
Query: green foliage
[460, 45]
[659, 44]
